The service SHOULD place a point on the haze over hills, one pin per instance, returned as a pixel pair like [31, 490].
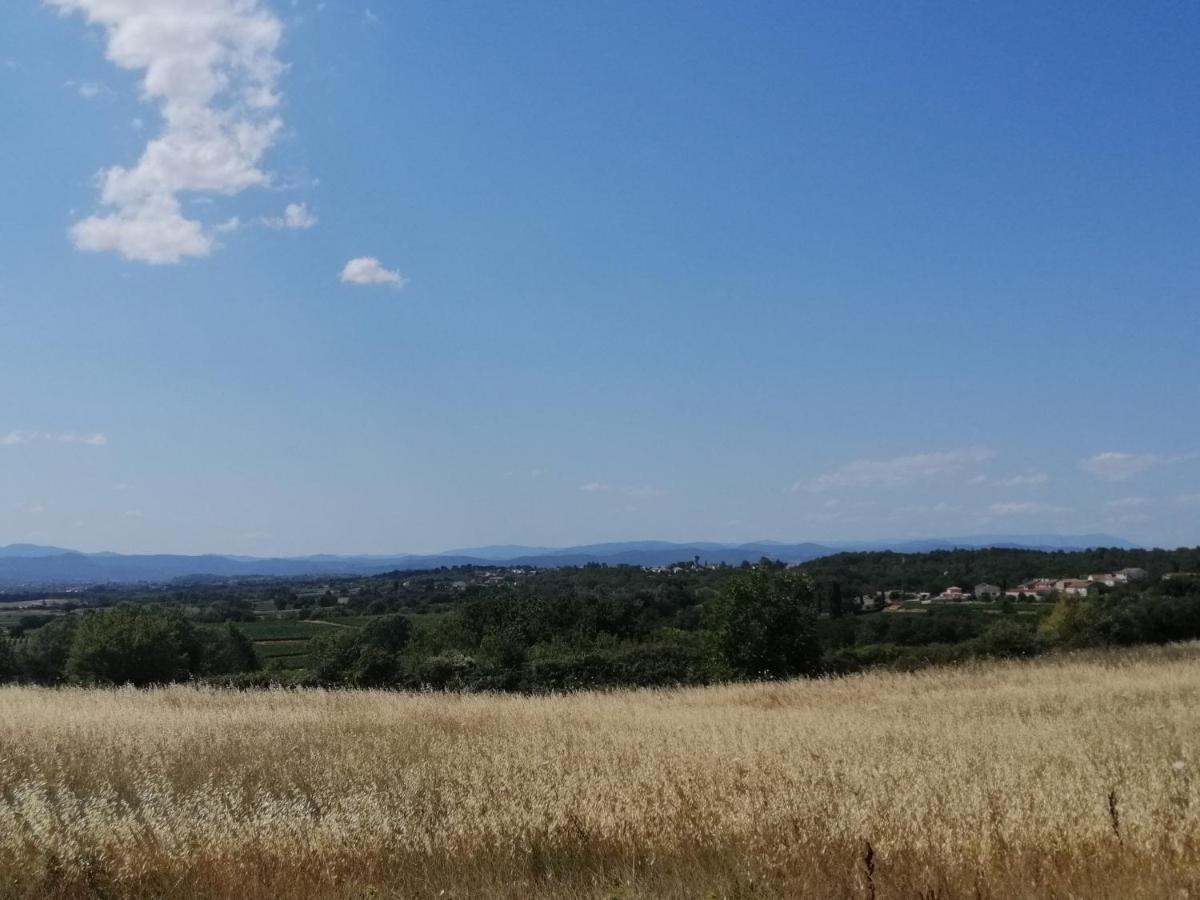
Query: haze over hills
[31, 565]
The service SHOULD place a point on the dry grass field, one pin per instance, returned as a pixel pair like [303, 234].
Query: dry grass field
[1061, 778]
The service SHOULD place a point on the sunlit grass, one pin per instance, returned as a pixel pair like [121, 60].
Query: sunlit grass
[1061, 777]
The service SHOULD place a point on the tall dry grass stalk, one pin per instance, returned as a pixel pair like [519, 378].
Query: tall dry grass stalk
[1059, 778]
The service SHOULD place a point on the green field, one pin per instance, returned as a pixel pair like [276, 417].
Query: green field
[277, 649]
[280, 629]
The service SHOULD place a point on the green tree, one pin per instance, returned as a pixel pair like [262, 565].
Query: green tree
[837, 605]
[766, 625]
[369, 657]
[137, 645]
[224, 651]
[389, 633]
[42, 655]
[8, 660]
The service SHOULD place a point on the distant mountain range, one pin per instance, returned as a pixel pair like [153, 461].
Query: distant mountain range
[31, 565]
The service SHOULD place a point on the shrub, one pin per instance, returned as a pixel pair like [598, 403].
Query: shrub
[1007, 637]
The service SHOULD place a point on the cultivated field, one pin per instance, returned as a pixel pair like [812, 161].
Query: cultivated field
[1057, 778]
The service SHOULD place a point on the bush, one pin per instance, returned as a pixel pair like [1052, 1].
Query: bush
[1007, 638]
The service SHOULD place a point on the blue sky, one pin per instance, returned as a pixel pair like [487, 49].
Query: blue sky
[288, 277]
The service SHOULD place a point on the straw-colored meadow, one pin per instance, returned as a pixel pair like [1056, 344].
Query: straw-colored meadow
[1058, 778]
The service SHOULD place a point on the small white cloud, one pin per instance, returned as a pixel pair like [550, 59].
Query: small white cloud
[1188, 499]
[897, 471]
[1127, 503]
[1024, 508]
[121, 486]
[1026, 479]
[15, 438]
[134, 514]
[369, 270]
[942, 508]
[624, 490]
[1112, 466]
[296, 216]
[89, 90]
[369, 18]
[91, 440]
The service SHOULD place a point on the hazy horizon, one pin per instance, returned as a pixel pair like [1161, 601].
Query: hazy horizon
[292, 277]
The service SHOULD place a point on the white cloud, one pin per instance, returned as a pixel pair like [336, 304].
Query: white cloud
[1127, 503]
[134, 514]
[92, 440]
[941, 508]
[1118, 466]
[296, 216]
[1027, 479]
[1024, 508]
[897, 471]
[369, 270]
[1113, 466]
[210, 65]
[624, 490]
[15, 438]
[642, 490]
[1188, 499]
[89, 90]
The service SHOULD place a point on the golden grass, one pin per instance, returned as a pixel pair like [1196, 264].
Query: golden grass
[1072, 777]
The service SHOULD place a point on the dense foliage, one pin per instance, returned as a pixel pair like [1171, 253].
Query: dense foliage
[594, 626]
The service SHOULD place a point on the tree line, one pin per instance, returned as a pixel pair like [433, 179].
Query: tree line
[593, 629]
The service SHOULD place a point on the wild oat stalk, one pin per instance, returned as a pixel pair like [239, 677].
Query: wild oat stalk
[984, 781]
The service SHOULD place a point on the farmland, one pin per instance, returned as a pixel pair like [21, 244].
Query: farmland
[1064, 776]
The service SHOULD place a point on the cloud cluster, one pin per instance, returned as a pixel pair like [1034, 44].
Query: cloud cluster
[897, 471]
[369, 270]
[1118, 466]
[16, 438]
[1025, 508]
[1112, 466]
[211, 67]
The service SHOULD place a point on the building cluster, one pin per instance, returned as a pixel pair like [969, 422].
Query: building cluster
[1035, 588]
[1079, 587]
